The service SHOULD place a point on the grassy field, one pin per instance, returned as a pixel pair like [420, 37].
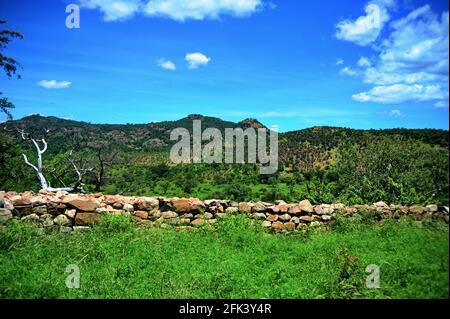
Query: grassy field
[233, 259]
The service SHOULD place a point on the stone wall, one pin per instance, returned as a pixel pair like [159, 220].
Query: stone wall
[73, 211]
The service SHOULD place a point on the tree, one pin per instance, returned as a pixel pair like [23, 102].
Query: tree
[8, 64]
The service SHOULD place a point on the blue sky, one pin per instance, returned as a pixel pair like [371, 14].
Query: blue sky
[295, 64]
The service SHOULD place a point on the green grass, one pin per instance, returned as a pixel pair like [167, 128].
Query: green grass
[233, 259]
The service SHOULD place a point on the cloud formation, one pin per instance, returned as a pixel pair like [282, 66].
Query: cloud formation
[411, 62]
[114, 10]
[166, 64]
[179, 10]
[196, 59]
[348, 71]
[401, 93]
[52, 84]
[365, 29]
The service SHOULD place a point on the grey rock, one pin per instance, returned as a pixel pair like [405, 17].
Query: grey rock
[62, 220]
[5, 215]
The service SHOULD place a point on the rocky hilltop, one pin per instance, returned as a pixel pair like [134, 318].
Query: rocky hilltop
[79, 211]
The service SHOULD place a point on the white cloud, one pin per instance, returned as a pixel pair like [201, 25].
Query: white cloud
[401, 93]
[339, 61]
[196, 59]
[52, 84]
[393, 113]
[114, 10]
[179, 10]
[411, 62]
[166, 64]
[441, 104]
[365, 29]
[364, 62]
[348, 71]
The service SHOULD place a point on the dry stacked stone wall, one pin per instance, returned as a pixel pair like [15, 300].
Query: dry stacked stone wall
[79, 211]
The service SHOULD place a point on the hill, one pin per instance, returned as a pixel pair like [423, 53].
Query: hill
[323, 164]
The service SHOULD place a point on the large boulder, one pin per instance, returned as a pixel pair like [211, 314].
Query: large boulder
[306, 206]
[84, 219]
[85, 204]
[186, 205]
[146, 203]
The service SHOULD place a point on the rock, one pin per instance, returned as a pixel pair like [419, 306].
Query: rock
[21, 200]
[259, 207]
[305, 219]
[338, 206]
[272, 217]
[81, 228]
[208, 216]
[282, 207]
[327, 210]
[352, 210]
[294, 209]
[101, 210]
[62, 220]
[141, 214]
[84, 204]
[40, 210]
[221, 215]
[186, 205]
[266, 223]
[289, 226]
[280, 202]
[445, 209]
[211, 221]
[185, 221]
[260, 216]
[32, 217]
[8, 205]
[318, 210]
[432, 208]
[418, 210]
[244, 207]
[70, 213]
[285, 217]
[277, 226]
[84, 219]
[233, 210]
[128, 208]
[198, 222]
[146, 203]
[315, 224]
[326, 217]
[5, 215]
[306, 206]
[169, 214]
[380, 204]
[295, 220]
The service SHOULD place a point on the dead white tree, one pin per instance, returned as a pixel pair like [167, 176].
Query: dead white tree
[45, 185]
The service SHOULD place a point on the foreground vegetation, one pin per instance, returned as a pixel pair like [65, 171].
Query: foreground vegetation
[235, 258]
